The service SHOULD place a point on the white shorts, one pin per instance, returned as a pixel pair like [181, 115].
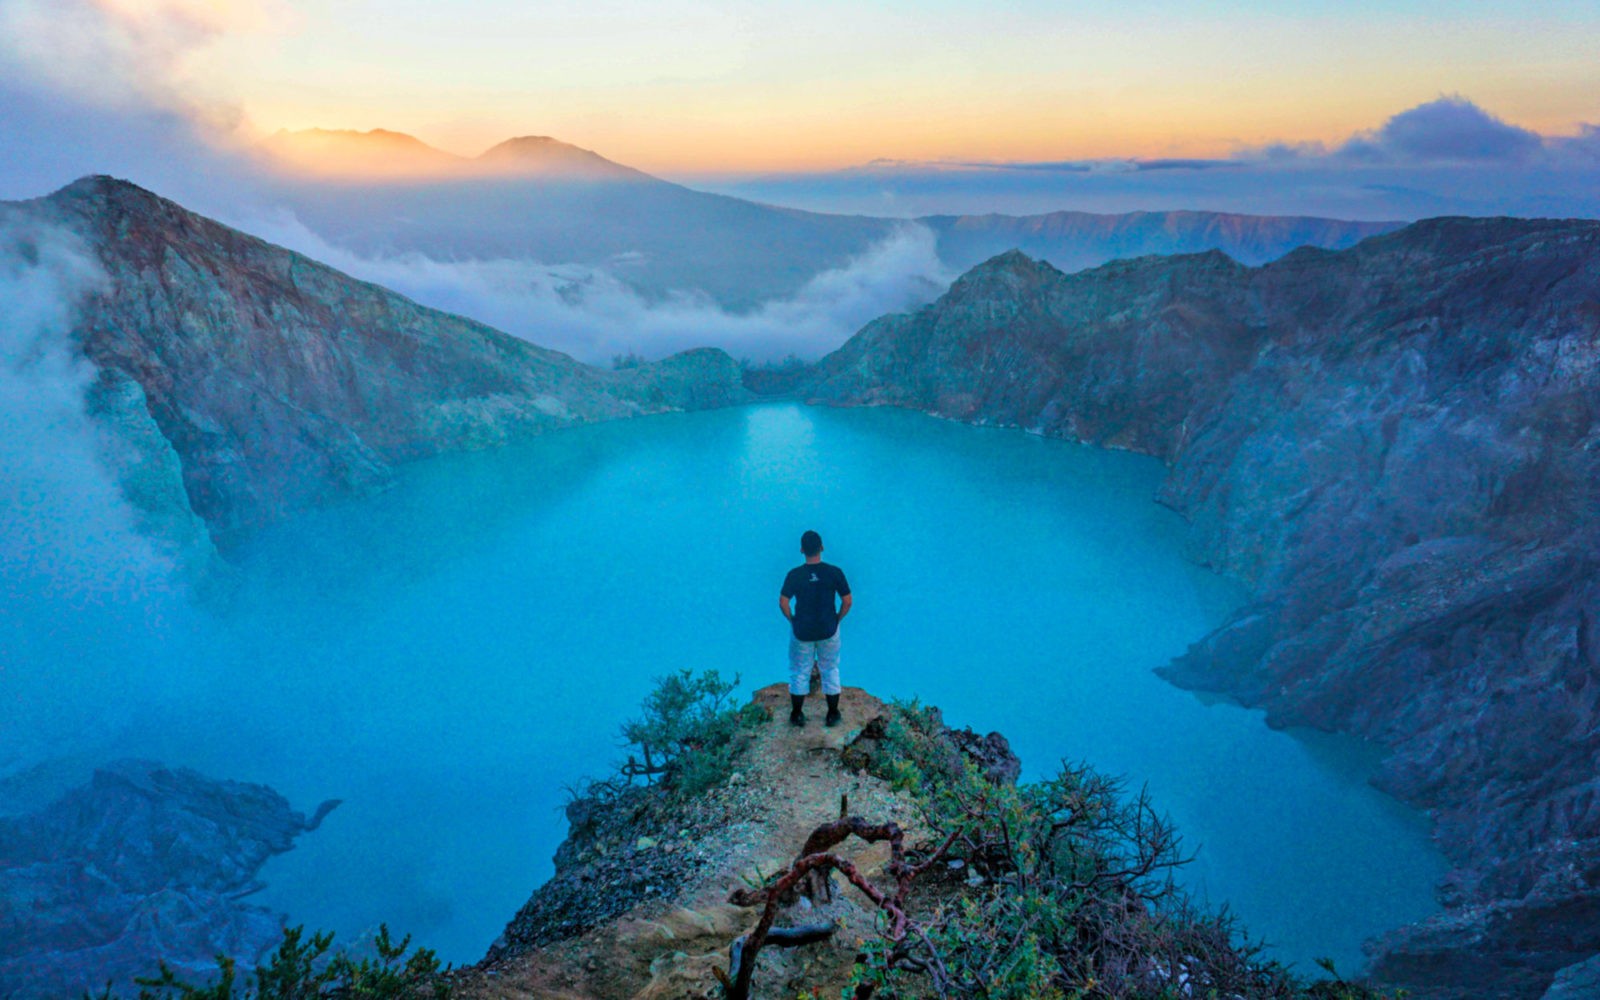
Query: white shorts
[824, 653]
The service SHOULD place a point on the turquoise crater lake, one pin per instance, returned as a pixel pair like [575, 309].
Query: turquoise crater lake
[449, 656]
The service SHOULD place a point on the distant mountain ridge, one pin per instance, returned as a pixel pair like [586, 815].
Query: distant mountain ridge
[542, 155]
[1071, 241]
[1396, 447]
[387, 155]
[537, 198]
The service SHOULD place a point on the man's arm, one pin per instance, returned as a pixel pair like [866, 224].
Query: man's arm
[783, 605]
[844, 605]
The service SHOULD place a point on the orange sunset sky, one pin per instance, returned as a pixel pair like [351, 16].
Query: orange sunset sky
[714, 87]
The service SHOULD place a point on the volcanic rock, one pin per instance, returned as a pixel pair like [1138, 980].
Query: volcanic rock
[141, 865]
[1396, 448]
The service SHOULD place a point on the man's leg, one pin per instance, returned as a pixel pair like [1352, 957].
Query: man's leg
[828, 662]
[801, 655]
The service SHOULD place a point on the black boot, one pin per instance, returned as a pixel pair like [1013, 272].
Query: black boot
[833, 711]
[796, 716]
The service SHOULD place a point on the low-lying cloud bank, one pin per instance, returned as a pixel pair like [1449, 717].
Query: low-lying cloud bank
[590, 314]
[1445, 157]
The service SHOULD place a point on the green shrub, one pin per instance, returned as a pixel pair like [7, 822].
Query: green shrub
[686, 738]
[302, 969]
[1069, 893]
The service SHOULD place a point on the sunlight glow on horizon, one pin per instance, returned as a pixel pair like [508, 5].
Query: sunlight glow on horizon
[720, 87]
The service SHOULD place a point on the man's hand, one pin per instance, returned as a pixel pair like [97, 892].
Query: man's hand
[783, 605]
[844, 605]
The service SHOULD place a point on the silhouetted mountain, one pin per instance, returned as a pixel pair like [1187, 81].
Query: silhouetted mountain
[540, 199]
[535, 198]
[1396, 447]
[542, 156]
[378, 153]
[384, 154]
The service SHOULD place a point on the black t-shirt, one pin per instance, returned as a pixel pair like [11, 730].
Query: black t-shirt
[812, 587]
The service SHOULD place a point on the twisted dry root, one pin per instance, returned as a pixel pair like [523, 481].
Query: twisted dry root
[816, 860]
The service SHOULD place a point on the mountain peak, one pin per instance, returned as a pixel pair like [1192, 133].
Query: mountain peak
[347, 152]
[113, 192]
[1011, 269]
[1012, 259]
[521, 142]
[385, 155]
[545, 156]
[372, 136]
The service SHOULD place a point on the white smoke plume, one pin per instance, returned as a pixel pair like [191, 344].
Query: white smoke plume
[125, 54]
[80, 587]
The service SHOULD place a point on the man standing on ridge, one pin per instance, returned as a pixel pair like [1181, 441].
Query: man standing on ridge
[814, 621]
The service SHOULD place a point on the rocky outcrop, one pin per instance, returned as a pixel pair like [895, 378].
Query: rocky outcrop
[639, 904]
[143, 864]
[277, 383]
[625, 846]
[1396, 447]
[990, 754]
[1576, 982]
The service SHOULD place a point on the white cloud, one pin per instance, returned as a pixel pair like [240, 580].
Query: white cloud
[103, 86]
[590, 314]
[1445, 156]
[1448, 130]
[124, 54]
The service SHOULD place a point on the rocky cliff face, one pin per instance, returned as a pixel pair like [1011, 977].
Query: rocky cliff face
[271, 383]
[1396, 447]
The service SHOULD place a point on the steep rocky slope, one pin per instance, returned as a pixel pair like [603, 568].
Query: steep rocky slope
[268, 383]
[1396, 447]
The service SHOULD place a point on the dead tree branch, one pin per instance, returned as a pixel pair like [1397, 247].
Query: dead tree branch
[815, 861]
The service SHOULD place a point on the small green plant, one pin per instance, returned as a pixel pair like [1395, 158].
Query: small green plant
[302, 969]
[685, 738]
